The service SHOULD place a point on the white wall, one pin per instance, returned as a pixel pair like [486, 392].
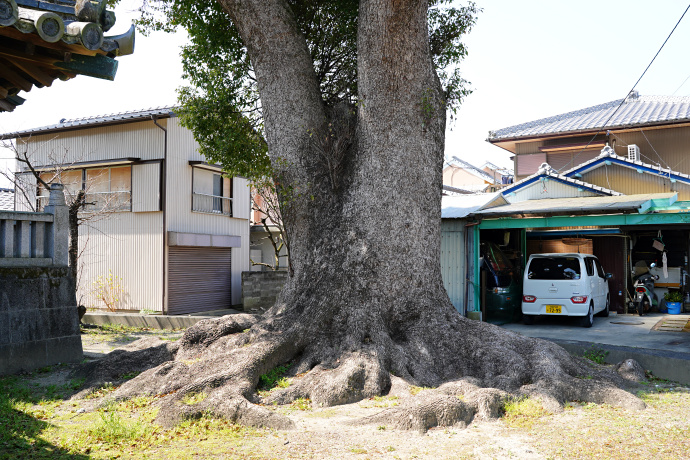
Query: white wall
[181, 149]
[548, 189]
[130, 246]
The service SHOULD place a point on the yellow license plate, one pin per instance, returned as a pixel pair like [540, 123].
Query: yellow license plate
[553, 309]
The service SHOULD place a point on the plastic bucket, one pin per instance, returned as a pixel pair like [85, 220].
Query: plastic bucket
[673, 308]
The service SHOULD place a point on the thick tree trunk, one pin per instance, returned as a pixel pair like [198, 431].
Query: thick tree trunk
[366, 301]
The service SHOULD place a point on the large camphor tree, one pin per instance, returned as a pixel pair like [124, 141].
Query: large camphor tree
[358, 161]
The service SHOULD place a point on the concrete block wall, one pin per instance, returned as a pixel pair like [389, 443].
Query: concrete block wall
[260, 289]
[39, 323]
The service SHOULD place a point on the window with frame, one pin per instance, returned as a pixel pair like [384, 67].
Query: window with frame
[211, 192]
[107, 189]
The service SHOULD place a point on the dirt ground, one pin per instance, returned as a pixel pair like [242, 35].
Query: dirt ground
[580, 431]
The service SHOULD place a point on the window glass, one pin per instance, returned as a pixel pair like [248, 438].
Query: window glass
[120, 188]
[589, 264]
[109, 189]
[600, 269]
[71, 179]
[554, 268]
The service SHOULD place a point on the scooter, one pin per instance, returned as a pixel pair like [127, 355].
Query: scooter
[645, 297]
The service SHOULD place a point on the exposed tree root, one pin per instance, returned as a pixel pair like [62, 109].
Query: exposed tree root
[474, 369]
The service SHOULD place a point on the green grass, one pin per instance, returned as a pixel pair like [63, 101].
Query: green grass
[587, 430]
[191, 399]
[274, 379]
[38, 422]
[596, 355]
[414, 390]
[523, 412]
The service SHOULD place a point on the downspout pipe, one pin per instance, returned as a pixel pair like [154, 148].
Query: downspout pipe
[162, 206]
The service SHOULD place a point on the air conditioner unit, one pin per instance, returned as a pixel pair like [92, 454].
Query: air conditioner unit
[633, 152]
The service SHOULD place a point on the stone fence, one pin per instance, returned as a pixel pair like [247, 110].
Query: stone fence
[260, 289]
[39, 322]
[31, 239]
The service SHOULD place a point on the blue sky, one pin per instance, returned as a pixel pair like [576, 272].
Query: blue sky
[527, 60]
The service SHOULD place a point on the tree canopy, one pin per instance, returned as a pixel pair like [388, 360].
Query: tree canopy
[220, 75]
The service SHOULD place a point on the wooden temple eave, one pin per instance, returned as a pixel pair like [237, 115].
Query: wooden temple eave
[43, 41]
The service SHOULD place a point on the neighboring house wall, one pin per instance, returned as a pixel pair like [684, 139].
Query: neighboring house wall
[529, 158]
[131, 244]
[454, 255]
[457, 177]
[180, 218]
[126, 244]
[547, 189]
[260, 241]
[662, 146]
[629, 181]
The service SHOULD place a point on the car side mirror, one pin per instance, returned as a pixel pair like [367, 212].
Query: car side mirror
[608, 276]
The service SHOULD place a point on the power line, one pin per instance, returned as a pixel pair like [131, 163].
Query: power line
[635, 85]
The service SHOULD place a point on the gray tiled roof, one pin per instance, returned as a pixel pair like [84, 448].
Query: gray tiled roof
[636, 111]
[76, 123]
[6, 199]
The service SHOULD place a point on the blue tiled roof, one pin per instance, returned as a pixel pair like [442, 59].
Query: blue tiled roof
[635, 111]
[76, 123]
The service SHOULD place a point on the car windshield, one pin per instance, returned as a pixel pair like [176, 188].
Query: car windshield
[554, 268]
[495, 257]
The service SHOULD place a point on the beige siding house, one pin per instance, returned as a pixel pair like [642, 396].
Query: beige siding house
[168, 229]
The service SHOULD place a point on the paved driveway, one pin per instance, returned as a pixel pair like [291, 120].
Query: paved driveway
[620, 330]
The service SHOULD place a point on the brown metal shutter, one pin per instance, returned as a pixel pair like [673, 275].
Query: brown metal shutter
[198, 279]
[560, 161]
[529, 164]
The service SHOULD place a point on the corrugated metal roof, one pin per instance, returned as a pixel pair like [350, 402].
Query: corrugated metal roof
[80, 123]
[635, 111]
[470, 168]
[545, 170]
[6, 199]
[582, 205]
[457, 207]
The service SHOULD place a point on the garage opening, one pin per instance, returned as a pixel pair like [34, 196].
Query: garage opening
[199, 279]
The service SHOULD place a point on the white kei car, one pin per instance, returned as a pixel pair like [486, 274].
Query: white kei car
[565, 285]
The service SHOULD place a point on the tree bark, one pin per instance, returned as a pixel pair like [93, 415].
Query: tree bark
[365, 303]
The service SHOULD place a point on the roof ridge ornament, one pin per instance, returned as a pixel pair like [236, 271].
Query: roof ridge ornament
[632, 96]
[607, 151]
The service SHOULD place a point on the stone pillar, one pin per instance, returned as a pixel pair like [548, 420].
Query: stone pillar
[59, 239]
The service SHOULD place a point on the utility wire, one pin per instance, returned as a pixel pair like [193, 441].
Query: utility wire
[681, 85]
[634, 86]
